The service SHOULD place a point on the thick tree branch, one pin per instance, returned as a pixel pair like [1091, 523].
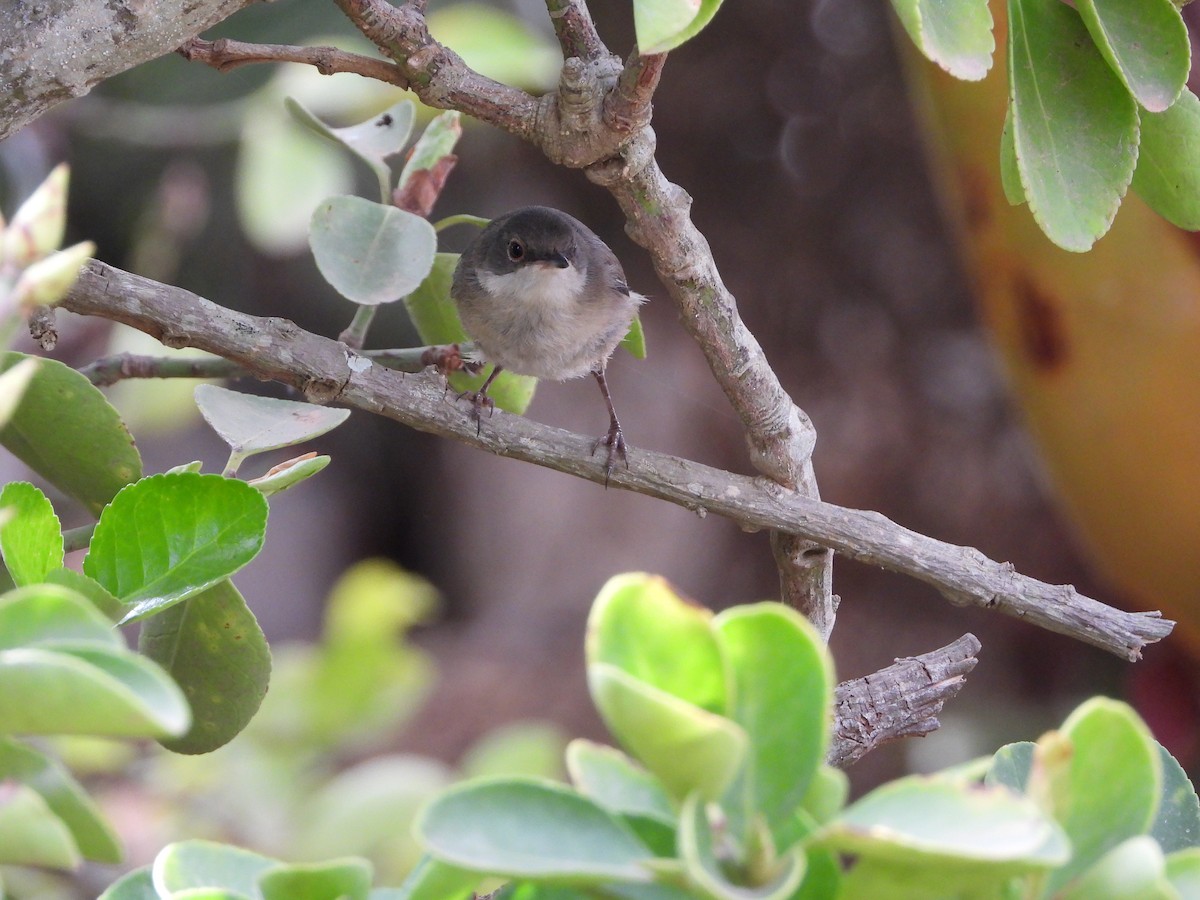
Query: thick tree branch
[54, 50]
[903, 700]
[326, 371]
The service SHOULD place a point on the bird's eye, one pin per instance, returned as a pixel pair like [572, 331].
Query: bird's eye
[516, 250]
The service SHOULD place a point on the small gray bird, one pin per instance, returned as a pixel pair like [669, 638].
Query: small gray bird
[542, 295]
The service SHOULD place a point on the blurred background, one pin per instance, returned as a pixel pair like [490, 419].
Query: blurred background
[837, 220]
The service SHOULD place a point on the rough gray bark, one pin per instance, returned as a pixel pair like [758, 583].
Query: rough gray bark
[328, 371]
[53, 50]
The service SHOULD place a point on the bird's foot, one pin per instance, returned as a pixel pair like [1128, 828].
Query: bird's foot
[479, 402]
[615, 442]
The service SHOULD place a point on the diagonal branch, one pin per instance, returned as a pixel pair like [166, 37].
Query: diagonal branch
[326, 371]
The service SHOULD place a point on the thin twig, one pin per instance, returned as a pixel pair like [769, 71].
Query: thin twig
[110, 369]
[226, 54]
[627, 107]
[325, 371]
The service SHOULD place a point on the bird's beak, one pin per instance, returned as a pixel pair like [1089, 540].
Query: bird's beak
[557, 260]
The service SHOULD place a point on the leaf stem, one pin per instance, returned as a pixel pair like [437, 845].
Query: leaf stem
[78, 538]
[355, 334]
[461, 219]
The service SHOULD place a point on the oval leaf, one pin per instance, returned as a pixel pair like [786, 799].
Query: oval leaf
[212, 646]
[639, 625]
[87, 690]
[250, 424]
[783, 697]
[1183, 871]
[69, 434]
[1112, 784]
[1075, 127]
[371, 253]
[686, 747]
[374, 140]
[1145, 42]
[520, 828]
[289, 474]
[927, 820]
[1168, 172]
[955, 34]
[65, 797]
[170, 536]
[31, 539]
[205, 864]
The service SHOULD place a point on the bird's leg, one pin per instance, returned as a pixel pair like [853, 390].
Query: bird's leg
[615, 439]
[479, 399]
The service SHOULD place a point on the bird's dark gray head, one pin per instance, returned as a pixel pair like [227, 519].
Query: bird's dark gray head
[534, 235]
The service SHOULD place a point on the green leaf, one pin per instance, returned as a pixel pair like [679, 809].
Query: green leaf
[432, 879]
[617, 783]
[212, 646]
[1075, 127]
[1145, 42]
[31, 540]
[438, 139]
[663, 25]
[436, 319]
[696, 846]
[372, 141]
[371, 253]
[635, 341]
[1133, 870]
[171, 536]
[283, 174]
[45, 615]
[250, 424]
[68, 433]
[289, 474]
[640, 625]
[206, 864]
[86, 689]
[345, 879]
[1168, 171]
[523, 748]
[783, 696]
[30, 832]
[955, 34]
[64, 796]
[530, 829]
[1176, 824]
[135, 885]
[1183, 871]
[930, 822]
[1112, 784]
[686, 747]
[1010, 173]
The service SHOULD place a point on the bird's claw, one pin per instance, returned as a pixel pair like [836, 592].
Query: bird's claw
[479, 402]
[615, 441]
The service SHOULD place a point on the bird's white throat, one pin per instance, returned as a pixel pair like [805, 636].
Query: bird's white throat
[539, 286]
